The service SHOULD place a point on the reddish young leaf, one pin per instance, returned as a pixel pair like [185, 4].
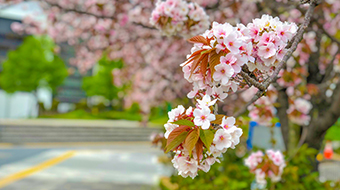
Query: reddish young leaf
[214, 59]
[198, 39]
[191, 140]
[176, 142]
[199, 149]
[195, 64]
[204, 65]
[176, 132]
[196, 54]
[274, 168]
[265, 167]
[218, 119]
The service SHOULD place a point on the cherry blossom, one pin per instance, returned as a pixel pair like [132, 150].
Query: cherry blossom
[222, 139]
[203, 117]
[223, 73]
[206, 101]
[188, 160]
[274, 162]
[173, 17]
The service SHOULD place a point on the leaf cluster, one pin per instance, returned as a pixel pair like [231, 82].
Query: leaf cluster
[204, 59]
[190, 137]
[33, 64]
[101, 84]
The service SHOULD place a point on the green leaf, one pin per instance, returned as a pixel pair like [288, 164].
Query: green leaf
[176, 141]
[191, 140]
[207, 138]
[184, 122]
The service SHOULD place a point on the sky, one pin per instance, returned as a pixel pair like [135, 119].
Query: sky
[19, 11]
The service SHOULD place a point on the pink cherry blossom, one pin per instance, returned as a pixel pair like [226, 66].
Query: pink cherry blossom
[223, 73]
[232, 43]
[267, 51]
[222, 139]
[203, 117]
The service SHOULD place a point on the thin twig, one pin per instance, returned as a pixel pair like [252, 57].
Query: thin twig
[252, 81]
[296, 40]
[92, 14]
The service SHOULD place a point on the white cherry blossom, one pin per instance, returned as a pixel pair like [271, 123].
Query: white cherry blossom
[222, 139]
[203, 117]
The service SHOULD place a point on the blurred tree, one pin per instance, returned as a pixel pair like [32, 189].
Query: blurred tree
[102, 83]
[34, 64]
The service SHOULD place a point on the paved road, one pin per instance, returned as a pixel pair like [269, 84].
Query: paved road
[115, 166]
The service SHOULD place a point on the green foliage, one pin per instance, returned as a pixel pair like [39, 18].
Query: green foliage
[207, 137]
[134, 108]
[299, 172]
[34, 64]
[333, 133]
[232, 174]
[101, 84]
[82, 114]
[184, 122]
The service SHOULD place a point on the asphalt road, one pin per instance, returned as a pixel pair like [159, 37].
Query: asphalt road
[81, 167]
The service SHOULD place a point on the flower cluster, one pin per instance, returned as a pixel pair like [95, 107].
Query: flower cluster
[298, 111]
[179, 17]
[198, 137]
[262, 111]
[292, 77]
[270, 37]
[269, 165]
[219, 54]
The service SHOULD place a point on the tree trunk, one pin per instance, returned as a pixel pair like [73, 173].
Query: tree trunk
[282, 114]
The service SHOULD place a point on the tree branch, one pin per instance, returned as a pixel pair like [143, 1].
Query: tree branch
[296, 39]
[76, 10]
[282, 114]
[325, 119]
[252, 81]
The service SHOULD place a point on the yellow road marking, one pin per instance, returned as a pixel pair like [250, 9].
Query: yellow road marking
[6, 145]
[22, 174]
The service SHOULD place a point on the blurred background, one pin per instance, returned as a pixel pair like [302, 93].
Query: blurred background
[69, 122]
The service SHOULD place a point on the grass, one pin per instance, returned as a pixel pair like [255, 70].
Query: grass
[155, 121]
[82, 114]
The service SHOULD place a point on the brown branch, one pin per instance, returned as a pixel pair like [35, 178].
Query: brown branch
[144, 26]
[92, 14]
[252, 81]
[324, 120]
[296, 40]
[76, 10]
